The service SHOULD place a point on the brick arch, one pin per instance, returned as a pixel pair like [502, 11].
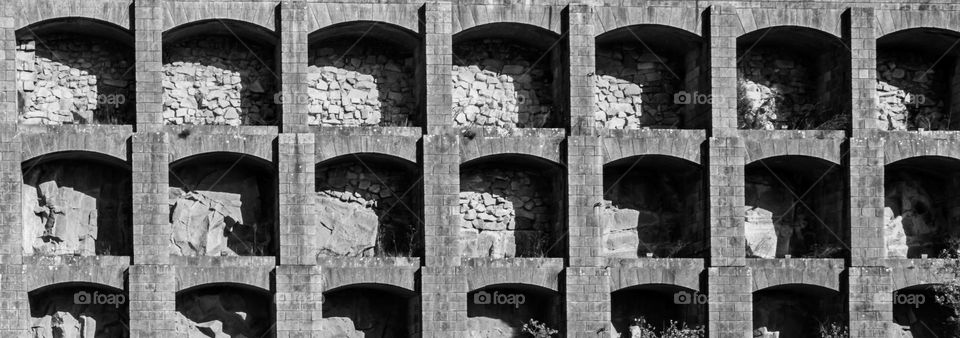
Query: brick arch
[478, 286]
[806, 157]
[530, 34]
[915, 273]
[329, 148]
[826, 21]
[108, 156]
[620, 149]
[228, 26]
[376, 282]
[404, 17]
[899, 150]
[684, 277]
[763, 280]
[42, 278]
[896, 21]
[538, 278]
[114, 15]
[379, 157]
[256, 146]
[368, 29]
[179, 14]
[542, 148]
[470, 17]
[191, 278]
[662, 17]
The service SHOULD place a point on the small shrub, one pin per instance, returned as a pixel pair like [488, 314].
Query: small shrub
[833, 330]
[537, 329]
[673, 330]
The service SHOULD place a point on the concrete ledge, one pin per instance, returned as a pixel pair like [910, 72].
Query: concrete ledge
[28, 12]
[394, 142]
[187, 130]
[682, 16]
[682, 272]
[192, 276]
[540, 143]
[77, 260]
[223, 261]
[913, 272]
[483, 272]
[684, 144]
[176, 13]
[326, 14]
[367, 262]
[259, 146]
[403, 277]
[810, 271]
[902, 146]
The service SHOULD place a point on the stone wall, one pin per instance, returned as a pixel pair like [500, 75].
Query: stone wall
[506, 213]
[75, 79]
[367, 209]
[635, 88]
[910, 92]
[221, 210]
[502, 83]
[368, 84]
[652, 211]
[56, 313]
[359, 313]
[76, 208]
[780, 89]
[224, 312]
[506, 320]
[219, 80]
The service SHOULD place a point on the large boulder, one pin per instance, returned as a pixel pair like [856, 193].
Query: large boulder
[226, 314]
[346, 229]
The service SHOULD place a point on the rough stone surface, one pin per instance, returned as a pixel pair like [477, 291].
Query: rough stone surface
[505, 213]
[366, 85]
[634, 88]
[72, 208]
[909, 92]
[366, 212]
[75, 79]
[219, 212]
[223, 312]
[56, 314]
[776, 90]
[366, 313]
[218, 80]
[503, 84]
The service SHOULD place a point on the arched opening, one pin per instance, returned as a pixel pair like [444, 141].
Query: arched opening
[647, 77]
[220, 72]
[798, 311]
[921, 202]
[370, 311]
[367, 206]
[920, 314]
[225, 310]
[77, 204]
[82, 310]
[503, 310]
[792, 78]
[794, 205]
[652, 309]
[511, 206]
[507, 75]
[364, 74]
[653, 204]
[75, 71]
[223, 204]
[916, 79]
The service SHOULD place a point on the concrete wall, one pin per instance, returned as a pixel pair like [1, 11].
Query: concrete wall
[439, 286]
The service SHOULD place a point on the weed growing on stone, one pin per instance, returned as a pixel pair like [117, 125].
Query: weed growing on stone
[536, 329]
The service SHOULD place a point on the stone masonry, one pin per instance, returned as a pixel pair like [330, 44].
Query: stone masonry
[504, 166]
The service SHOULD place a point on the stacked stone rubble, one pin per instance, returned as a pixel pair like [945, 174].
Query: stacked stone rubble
[505, 213]
[500, 83]
[365, 212]
[634, 88]
[74, 79]
[908, 92]
[361, 86]
[218, 80]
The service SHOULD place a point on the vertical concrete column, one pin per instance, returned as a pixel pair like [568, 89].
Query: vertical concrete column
[437, 25]
[152, 299]
[148, 42]
[727, 238]
[15, 305]
[441, 208]
[871, 299]
[443, 302]
[588, 302]
[722, 37]
[11, 181]
[293, 65]
[867, 244]
[730, 302]
[298, 231]
[860, 34]
[151, 226]
[585, 191]
[582, 62]
[8, 68]
[299, 296]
